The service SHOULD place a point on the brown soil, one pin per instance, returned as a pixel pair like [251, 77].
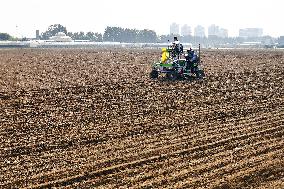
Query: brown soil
[92, 118]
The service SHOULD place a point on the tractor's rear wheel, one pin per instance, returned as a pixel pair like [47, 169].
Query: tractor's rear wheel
[176, 76]
[173, 76]
[200, 74]
[154, 74]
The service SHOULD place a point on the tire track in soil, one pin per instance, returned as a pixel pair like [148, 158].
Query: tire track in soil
[176, 165]
[109, 170]
[223, 150]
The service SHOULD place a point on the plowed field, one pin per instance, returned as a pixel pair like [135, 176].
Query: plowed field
[92, 118]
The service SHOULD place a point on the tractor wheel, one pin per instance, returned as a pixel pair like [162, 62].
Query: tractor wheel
[168, 76]
[154, 74]
[200, 74]
[173, 76]
[176, 76]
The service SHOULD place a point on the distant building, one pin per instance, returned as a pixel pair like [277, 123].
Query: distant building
[223, 33]
[267, 41]
[250, 32]
[185, 30]
[255, 44]
[174, 29]
[61, 37]
[281, 41]
[216, 31]
[199, 31]
[213, 31]
[37, 34]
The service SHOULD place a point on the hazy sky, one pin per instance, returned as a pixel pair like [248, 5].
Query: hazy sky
[23, 17]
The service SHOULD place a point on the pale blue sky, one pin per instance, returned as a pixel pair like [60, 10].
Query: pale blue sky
[91, 15]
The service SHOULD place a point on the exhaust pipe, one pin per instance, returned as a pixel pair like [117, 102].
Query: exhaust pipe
[199, 52]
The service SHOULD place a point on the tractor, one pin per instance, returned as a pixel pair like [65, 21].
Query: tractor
[178, 66]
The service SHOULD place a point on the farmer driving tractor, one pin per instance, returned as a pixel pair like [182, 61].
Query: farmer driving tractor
[191, 59]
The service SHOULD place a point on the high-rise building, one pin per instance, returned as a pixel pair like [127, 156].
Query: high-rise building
[199, 31]
[250, 32]
[213, 31]
[216, 31]
[281, 41]
[37, 34]
[223, 33]
[174, 29]
[185, 30]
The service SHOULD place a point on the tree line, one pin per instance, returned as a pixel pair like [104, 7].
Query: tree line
[113, 34]
[5, 37]
[118, 34]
